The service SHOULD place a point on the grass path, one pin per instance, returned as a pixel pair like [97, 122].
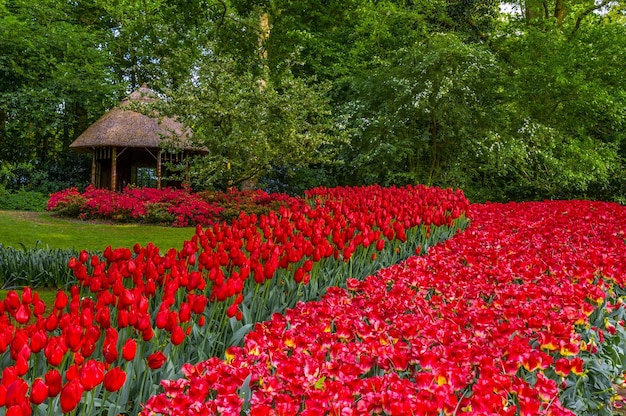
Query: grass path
[43, 229]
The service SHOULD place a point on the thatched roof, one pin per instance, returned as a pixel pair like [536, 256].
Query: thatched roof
[124, 127]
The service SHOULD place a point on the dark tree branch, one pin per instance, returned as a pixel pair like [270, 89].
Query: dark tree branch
[587, 13]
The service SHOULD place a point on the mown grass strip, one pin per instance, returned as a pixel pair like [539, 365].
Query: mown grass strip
[42, 229]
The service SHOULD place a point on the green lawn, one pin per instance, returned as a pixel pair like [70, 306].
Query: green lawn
[32, 228]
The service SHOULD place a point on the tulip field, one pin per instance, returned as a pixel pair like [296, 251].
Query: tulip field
[349, 301]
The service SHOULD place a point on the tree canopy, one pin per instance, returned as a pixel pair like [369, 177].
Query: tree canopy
[506, 100]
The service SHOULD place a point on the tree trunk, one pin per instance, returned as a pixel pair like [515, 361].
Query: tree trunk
[559, 12]
[534, 9]
[80, 120]
[264, 33]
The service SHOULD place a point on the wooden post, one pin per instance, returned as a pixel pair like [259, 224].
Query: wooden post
[93, 168]
[159, 169]
[114, 169]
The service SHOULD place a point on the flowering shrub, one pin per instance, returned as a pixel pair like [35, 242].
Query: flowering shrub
[522, 314]
[256, 202]
[177, 207]
[139, 316]
[68, 203]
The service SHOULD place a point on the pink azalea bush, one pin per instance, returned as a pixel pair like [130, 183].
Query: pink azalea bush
[176, 207]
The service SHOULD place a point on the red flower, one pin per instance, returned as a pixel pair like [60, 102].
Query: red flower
[16, 392]
[38, 391]
[129, 350]
[54, 382]
[156, 360]
[232, 310]
[109, 347]
[61, 300]
[38, 341]
[178, 336]
[55, 351]
[114, 379]
[22, 315]
[21, 364]
[70, 396]
[147, 334]
[15, 410]
[91, 374]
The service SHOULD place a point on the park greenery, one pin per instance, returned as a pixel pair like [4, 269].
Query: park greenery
[518, 100]
[363, 125]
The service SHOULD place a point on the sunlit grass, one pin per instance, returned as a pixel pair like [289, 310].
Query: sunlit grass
[30, 229]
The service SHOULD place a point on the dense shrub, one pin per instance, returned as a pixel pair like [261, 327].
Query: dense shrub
[22, 200]
[176, 207]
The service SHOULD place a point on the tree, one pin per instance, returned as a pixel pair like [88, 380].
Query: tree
[565, 104]
[246, 107]
[53, 79]
[248, 129]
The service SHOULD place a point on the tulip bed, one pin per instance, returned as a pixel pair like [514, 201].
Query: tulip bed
[521, 314]
[141, 315]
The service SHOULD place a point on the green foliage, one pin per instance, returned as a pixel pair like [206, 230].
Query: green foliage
[156, 213]
[529, 105]
[593, 393]
[250, 124]
[54, 77]
[35, 267]
[22, 200]
[69, 170]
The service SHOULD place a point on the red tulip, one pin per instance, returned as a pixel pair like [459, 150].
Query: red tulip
[177, 336]
[91, 374]
[21, 364]
[15, 410]
[12, 300]
[16, 392]
[27, 295]
[83, 256]
[55, 351]
[38, 391]
[232, 310]
[70, 396]
[122, 319]
[38, 341]
[27, 410]
[114, 379]
[51, 323]
[147, 334]
[73, 336]
[129, 350]
[109, 347]
[156, 360]
[61, 300]
[72, 372]
[20, 340]
[54, 382]
[22, 315]
[184, 313]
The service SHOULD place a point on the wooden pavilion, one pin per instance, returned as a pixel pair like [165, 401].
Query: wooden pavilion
[127, 146]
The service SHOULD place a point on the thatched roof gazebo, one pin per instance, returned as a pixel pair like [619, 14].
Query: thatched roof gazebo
[126, 145]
